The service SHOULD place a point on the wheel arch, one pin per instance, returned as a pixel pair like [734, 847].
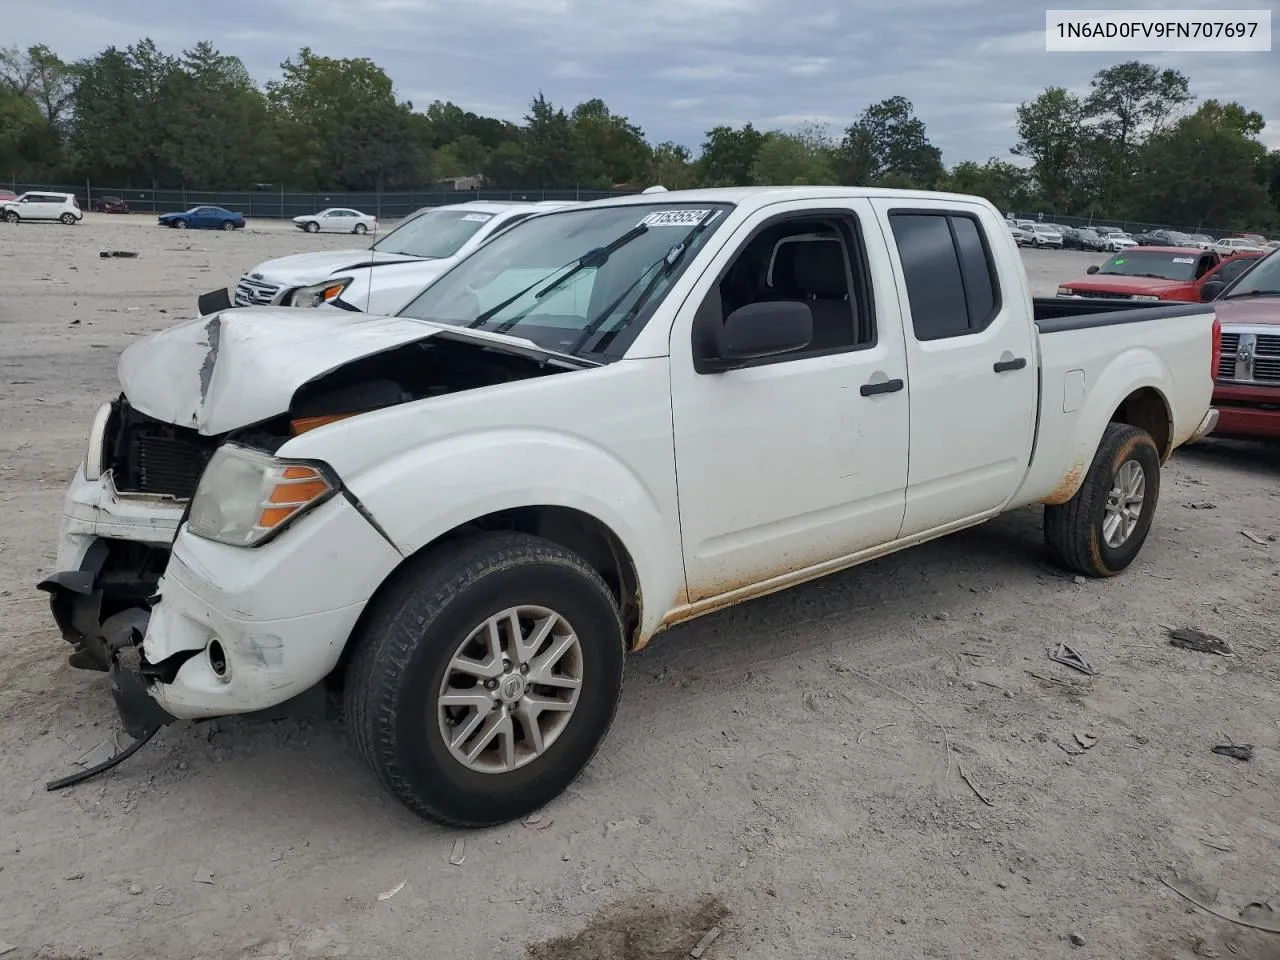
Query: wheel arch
[575, 530]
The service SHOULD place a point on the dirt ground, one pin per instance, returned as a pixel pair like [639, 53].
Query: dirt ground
[880, 765]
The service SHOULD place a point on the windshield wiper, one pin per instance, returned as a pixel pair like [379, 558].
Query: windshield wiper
[666, 264]
[1253, 293]
[595, 257]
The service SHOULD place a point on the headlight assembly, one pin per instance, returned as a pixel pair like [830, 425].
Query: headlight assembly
[318, 294]
[94, 447]
[246, 496]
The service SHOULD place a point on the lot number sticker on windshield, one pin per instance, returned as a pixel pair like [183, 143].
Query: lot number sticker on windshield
[675, 218]
[477, 217]
[1184, 260]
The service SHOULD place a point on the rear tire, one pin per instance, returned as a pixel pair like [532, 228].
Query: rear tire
[360, 228]
[69, 219]
[228, 225]
[436, 615]
[1101, 530]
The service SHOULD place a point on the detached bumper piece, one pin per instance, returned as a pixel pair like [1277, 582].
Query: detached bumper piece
[99, 606]
[140, 715]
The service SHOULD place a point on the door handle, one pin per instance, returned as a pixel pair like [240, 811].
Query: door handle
[1017, 364]
[884, 386]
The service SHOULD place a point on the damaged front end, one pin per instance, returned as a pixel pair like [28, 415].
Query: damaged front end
[247, 376]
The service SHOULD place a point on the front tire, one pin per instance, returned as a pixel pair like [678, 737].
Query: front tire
[12, 216]
[1101, 530]
[312, 227]
[485, 678]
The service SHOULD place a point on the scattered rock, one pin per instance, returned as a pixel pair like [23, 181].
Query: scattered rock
[971, 685]
[1086, 740]
[1076, 940]
[1078, 580]
[1002, 884]
[135, 890]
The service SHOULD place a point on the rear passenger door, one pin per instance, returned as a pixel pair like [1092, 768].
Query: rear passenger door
[971, 362]
[801, 458]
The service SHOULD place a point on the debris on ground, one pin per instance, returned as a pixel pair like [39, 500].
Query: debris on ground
[537, 821]
[387, 895]
[1076, 940]
[459, 853]
[1254, 537]
[1078, 580]
[1086, 740]
[1201, 949]
[1062, 652]
[135, 890]
[202, 875]
[74, 876]
[708, 938]
[1188, 638]
[126, 254]
[1201, 505]
[1236, 751]
[964, 775]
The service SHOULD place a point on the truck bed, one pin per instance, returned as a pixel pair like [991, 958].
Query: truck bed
[1056, 314]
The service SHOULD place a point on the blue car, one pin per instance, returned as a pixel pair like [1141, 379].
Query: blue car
[203, 218]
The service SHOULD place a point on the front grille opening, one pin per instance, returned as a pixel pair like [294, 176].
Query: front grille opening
[149, 456]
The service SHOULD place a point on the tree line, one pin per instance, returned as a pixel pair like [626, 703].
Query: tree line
[1136, 146]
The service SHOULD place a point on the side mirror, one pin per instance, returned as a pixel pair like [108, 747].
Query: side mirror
[1211, 290]
[1093, 268]
[764, 330]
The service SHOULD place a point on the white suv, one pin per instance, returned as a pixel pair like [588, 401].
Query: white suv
[38, 205]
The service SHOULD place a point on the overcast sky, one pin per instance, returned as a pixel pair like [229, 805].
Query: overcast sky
[675, 67]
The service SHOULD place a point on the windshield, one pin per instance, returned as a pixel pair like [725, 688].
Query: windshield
[1144, 263]
[438, 233]
[573, 281]
[1260, 281]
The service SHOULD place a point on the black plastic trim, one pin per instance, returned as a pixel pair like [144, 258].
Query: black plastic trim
[1112, 317]
[1000, 366]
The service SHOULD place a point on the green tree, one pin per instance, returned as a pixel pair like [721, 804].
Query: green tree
[1050, 134]
[320, 104]
[554, 157]
[21, 128]
[1005, 185]
[672, 167]
[728, 156]
[1207, 169]
[612, 141]
[791, 159]
[888, 138]
[1127, 104]
[218, 127]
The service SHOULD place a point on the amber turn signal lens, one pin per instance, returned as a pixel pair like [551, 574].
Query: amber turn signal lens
[297, 488]
[303, 424]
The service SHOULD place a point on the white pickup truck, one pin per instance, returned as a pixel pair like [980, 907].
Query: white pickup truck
[381, 279]
[607, 420]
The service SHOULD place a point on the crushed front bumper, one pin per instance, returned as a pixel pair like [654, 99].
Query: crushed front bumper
[241, 630]
[112, 550]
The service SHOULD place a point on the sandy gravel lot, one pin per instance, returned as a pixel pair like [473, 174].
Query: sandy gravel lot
[790, 769]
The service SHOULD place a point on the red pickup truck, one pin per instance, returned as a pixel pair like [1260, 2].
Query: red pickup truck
[1247, 386]
[1158, 273]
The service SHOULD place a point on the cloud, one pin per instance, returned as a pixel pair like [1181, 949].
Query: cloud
[675, 67]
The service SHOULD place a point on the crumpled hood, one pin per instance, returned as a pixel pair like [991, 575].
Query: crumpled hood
[242, 366]
[308, 268]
